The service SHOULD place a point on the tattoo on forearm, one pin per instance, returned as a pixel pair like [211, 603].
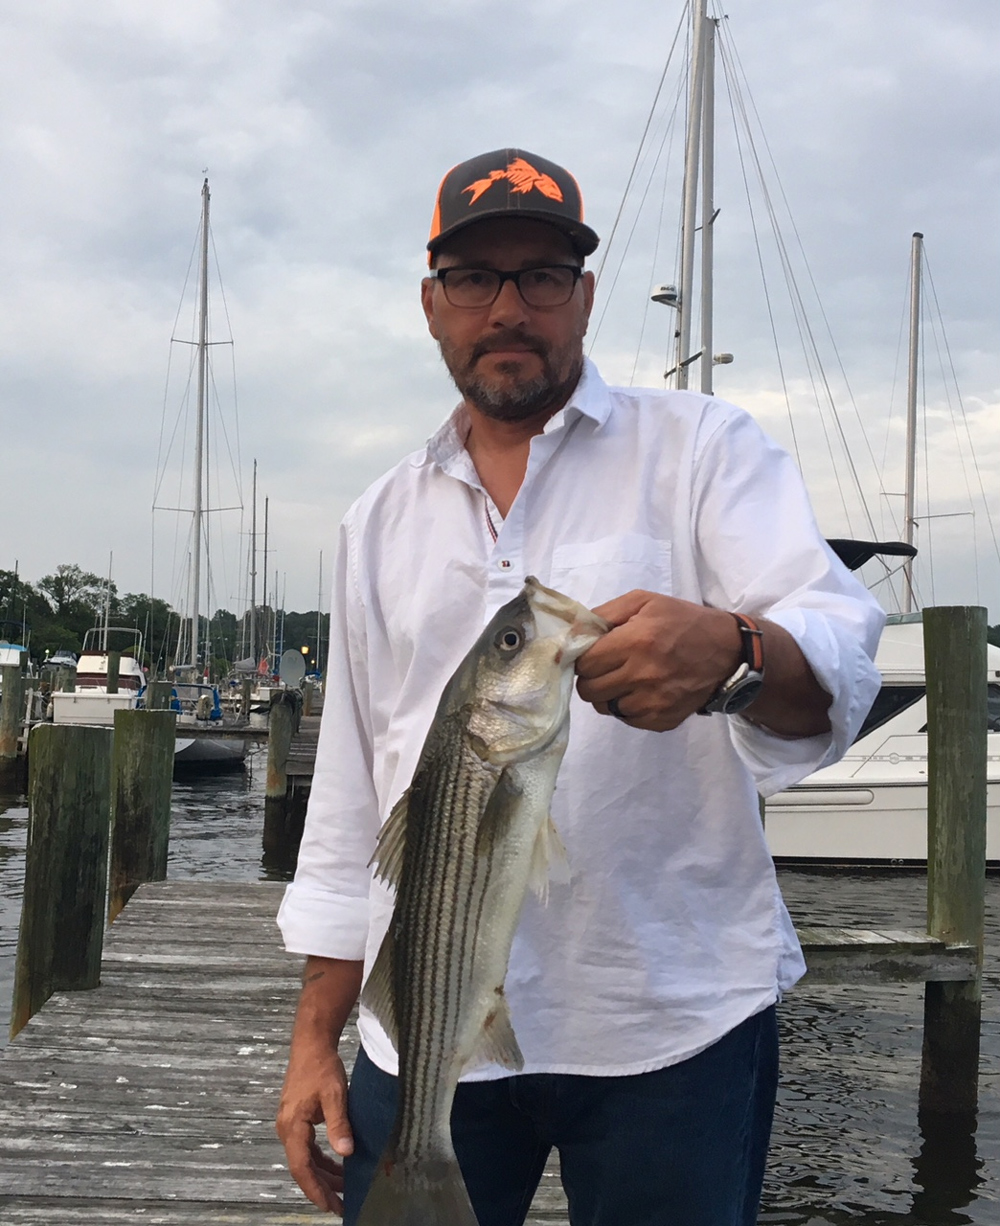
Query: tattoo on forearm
[313, 977]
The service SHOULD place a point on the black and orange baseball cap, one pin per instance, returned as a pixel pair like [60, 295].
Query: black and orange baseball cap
[507, 183]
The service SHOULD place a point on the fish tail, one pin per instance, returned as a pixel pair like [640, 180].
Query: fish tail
[409, 1193]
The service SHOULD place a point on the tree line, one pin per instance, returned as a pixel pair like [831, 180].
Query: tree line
[55, 613]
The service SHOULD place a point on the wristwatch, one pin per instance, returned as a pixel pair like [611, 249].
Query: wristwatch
[737, 692]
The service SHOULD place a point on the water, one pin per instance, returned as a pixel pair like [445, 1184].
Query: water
[847, 1149]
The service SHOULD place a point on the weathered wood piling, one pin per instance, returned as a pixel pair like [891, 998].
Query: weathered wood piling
[11, 711]
[114, 671]
[282, 818]
[157, 697]
[66, 865]
[955, 653]
[141, 778]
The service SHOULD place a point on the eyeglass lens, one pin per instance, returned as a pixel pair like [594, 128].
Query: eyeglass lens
[540, 287]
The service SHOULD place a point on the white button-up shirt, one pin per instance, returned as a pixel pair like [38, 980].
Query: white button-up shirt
[671, 929]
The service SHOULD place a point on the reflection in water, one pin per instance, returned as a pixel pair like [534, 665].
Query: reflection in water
[947, 1171]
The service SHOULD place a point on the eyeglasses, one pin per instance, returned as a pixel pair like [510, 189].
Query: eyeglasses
[550, 286]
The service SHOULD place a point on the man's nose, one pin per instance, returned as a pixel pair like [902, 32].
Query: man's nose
[509, 308]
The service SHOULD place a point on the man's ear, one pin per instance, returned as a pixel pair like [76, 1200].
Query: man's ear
[427, 302]
[589, 284]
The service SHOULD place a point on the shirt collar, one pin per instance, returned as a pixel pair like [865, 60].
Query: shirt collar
[591, 398]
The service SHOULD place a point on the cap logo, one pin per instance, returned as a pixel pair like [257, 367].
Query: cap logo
[523, 178]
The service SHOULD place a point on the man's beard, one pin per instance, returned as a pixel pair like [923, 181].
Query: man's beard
[519, 401]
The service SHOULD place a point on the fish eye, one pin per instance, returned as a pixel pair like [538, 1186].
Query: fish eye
[509, 639]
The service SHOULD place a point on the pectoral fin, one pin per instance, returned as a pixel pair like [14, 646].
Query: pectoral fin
[495, 823]
[497, 1043]
[388, 856]
[377, 994]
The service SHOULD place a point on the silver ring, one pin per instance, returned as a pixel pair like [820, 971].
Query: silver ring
[613, 709]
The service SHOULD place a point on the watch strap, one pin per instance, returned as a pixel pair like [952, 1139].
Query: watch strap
[752, 638]
[740, 689]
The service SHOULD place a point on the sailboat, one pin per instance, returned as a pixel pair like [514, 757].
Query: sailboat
[872, 806]
[193, 697]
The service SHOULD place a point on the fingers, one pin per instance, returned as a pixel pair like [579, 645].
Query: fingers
[310, 1168]
[622, 608]
[338, 1127]
[303, 1106]
[328, 1175]
[613, 682]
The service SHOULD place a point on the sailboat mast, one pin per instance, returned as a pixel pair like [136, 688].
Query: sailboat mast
[707, 206]
[692, 157]
[199, 446]
[265, 644]
[319, 617]
[253, 569]
[909, 522]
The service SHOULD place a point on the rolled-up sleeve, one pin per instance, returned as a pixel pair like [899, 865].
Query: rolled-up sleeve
[325, 909]
[763, 554]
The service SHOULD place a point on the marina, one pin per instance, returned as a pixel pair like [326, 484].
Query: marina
[150, 997]
[151, 1097]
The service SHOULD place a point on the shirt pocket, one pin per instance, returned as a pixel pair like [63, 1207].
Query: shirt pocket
[593, 572]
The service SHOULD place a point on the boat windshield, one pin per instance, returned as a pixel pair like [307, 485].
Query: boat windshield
[993, 707]
[892, 699]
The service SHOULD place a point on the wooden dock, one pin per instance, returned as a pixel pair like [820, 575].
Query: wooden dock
[302, 753]
[152, 1098]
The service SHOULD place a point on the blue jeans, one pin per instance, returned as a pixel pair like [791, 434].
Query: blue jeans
[681, 1146]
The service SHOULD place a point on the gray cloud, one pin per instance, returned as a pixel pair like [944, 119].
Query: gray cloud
[325, 129]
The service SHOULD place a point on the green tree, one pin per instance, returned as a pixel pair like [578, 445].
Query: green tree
[25, 614]
[300, 631]
[223, 633]
[77, 597]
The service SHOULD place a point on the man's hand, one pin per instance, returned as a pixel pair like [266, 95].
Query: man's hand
[661, 661]
[315, 1089]
[664, 658]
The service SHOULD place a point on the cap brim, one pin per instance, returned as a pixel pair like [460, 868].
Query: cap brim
[584, 239]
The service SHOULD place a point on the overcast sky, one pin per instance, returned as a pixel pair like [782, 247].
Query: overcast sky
[325, 129]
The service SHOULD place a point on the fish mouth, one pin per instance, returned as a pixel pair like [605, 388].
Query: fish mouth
[585, 626]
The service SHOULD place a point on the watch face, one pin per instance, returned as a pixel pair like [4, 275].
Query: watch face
[742, 694]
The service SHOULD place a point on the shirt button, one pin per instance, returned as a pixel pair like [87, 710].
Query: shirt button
[505, 564]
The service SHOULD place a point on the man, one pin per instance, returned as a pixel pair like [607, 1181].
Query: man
[643, 993]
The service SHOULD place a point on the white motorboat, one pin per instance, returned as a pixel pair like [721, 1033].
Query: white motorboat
[90, 702]
[871, 807]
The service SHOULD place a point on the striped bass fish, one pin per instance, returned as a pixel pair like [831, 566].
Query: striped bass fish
[461, 848]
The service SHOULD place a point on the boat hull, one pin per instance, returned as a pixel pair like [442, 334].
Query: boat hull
[210, 753]
[863, 823]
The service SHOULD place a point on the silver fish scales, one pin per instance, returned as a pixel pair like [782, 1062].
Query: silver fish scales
[462, 847]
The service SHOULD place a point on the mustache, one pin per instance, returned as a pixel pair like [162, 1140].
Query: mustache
[502, 340]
